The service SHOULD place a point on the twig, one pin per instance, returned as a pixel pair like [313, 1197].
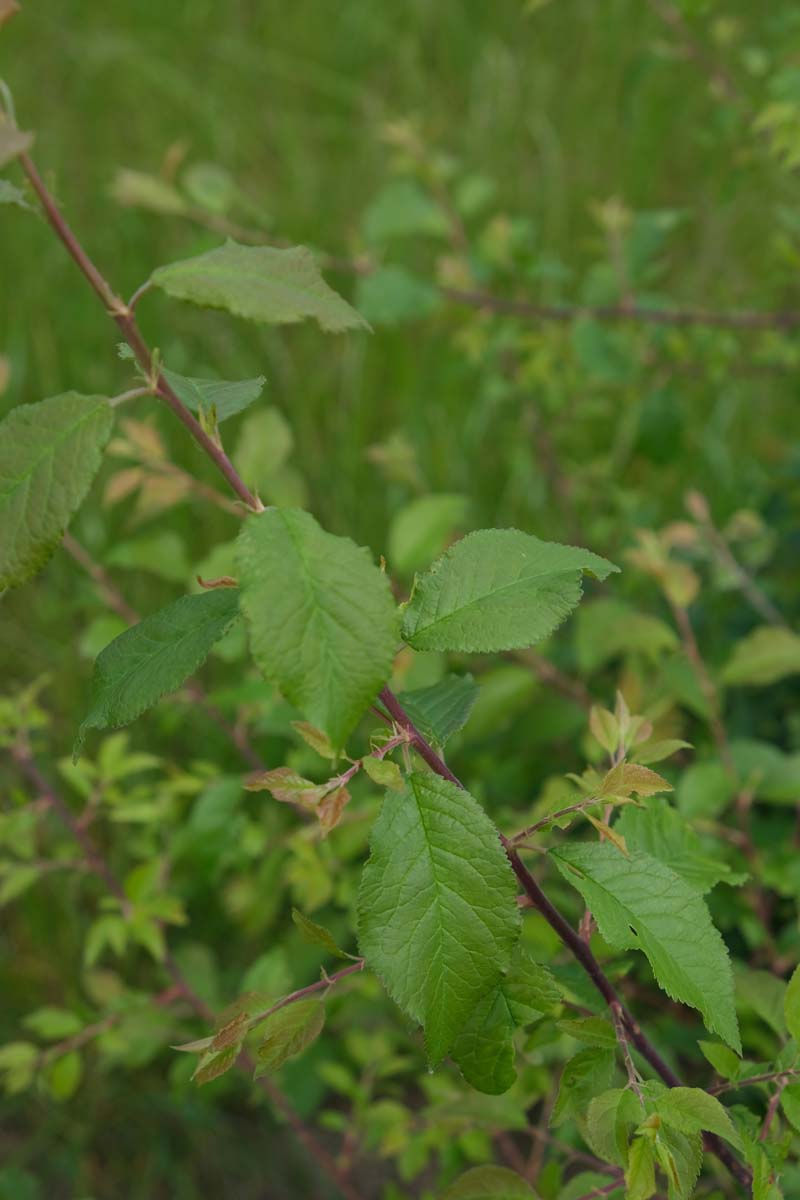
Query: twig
[772, 1108]
[520, 838]
[126, 323]
[554, 677]
[701, 672]
[733, 1085]
[634, 1082]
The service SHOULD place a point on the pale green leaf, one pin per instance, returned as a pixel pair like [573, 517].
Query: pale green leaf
[722, 1059]
[497, 589]
[640, 1174]
[136, 189]
[391, 295]
[260, 283]
[288, 1032]
[316, 935]
[791, 1005]
[9, 194]
[322, 621]
[606, 628]
[763, 657]
[640, 902]
[441, 710]
[226, 398]
[484, 1048]
[437, 912]
[422, 530]
[691, 1110]
[765, 994]
[383, 772]
[64, 1075]
[52, 1023]
[403, 209]
[155, 657]
[13, 141]
[49, 454]
[489, 1183]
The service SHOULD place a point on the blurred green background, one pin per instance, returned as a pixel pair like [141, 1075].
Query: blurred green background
[592, 153]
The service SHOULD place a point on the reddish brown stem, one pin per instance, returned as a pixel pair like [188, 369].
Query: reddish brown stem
[124, 318]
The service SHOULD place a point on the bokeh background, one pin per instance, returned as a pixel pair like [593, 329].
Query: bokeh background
[576, 154]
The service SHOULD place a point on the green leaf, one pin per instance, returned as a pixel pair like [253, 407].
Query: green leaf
[765, 994]
[422, 529]
[136, 189]
[392, 295]
[49, 454]
[316, 935]
[662, 832]
[9, 194]
[437, 912]
[489, 1183]
[640, 1174]
[53, 1024]
[610, 1118]
[724, 1061]
[585, 1075]
[681, 1159]
[607, 628]
[226, 398]
[403, 209]
[791, 1005]
[155, 657]
[288, 1032]
[276, 287]
[383, 772]
[441, 710]
[322, 621]
[691, 1110]
[497, 589]
[484, 1049]
[13, 141]
[640, 902]
[763, 657]
[64, 1075]
[214, 1063]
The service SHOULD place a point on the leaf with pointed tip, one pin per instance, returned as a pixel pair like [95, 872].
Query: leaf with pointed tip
[497, 589]
[155, 657]
[322, 621]
[484, 1049]
[661, 831]
[442, 709]
[437, 912]
[9, 194]
[317, 935]
[288, 1032]
[691, 1110]
[275, 287]
[49, 454]
[640, 902]
[640, 1174]
[227, 398]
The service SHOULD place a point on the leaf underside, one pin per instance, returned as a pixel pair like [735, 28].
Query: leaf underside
[276, 287]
